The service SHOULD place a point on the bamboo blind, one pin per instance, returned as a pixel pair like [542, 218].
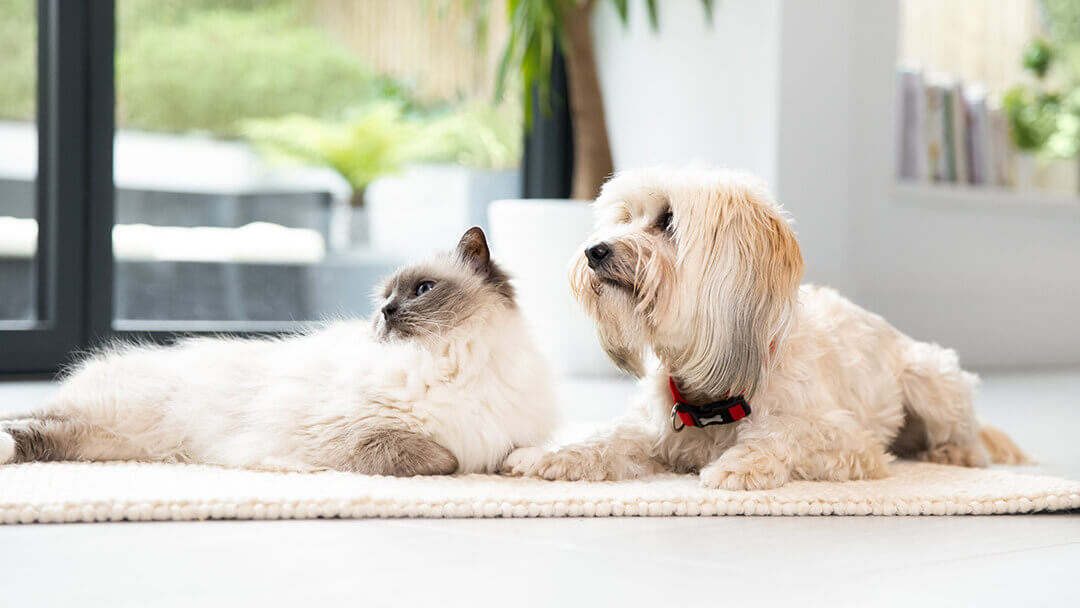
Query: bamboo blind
[975, 40]
[409, 39]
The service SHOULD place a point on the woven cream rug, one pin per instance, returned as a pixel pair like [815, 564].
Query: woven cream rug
[89, 492]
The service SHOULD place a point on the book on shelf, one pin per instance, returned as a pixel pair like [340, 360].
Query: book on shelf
[935, 125]
[956, 106]
[978, 135]
[950, 132]
[912, 136]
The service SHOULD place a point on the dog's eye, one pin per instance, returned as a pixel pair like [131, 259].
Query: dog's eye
[664, 221]
[423, 287]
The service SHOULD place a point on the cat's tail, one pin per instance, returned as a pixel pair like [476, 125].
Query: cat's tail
[1001, 448]
[43, 438]
[7, 447]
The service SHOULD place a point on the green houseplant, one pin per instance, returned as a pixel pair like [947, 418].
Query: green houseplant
[537, 29]
[1044, 125]
[370, 142]
[468, 149]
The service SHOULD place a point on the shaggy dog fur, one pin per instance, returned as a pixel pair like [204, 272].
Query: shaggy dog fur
[703, 269]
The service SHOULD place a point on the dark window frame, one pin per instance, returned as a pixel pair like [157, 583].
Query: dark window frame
[70, 37]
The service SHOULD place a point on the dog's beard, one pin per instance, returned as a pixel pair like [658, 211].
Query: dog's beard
[638, 302]
[611, 301]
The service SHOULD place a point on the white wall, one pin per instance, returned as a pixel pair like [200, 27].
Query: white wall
[803, 94]
[1001, 284]
[813, 150]
[725, 94]
[692, 91]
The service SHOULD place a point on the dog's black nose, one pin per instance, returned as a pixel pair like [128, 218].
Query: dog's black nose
[389, 310]
[597, 254]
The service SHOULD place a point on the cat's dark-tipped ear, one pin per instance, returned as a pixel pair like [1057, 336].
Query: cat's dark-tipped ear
[473, 248]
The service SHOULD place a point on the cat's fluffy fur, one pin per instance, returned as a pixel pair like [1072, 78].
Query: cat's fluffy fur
[702, 267]
[454, 390]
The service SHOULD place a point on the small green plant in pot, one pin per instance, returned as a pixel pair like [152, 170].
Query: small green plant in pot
[1044, 126]
[370, 142]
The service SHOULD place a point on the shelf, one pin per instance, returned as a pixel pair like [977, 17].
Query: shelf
[986, 199]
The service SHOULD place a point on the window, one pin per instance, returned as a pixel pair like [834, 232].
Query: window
[234, 166]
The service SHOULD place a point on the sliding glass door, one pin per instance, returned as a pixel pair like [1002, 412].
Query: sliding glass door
[226, 166]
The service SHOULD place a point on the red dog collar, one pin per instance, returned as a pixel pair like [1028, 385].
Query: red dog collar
[725, 411]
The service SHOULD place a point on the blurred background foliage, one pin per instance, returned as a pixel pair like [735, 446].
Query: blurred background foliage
[1044, 115]
[18, 48]
[208, 69]
[261, 69]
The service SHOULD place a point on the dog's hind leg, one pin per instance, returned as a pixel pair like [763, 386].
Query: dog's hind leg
[773, 449]
[938, 400]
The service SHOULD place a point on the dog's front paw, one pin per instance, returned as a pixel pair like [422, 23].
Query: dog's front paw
[565, 465]
[569, 466]
[522, 462]
[719, 476]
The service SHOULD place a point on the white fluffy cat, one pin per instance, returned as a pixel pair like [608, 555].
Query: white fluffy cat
[444, 378]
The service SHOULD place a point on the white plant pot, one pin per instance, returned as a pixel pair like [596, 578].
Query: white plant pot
[427, 208]
[535, 240]
[1024, 172]
[1060, 176]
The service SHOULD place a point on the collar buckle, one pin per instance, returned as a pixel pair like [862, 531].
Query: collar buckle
[674, 417]
[725, 411]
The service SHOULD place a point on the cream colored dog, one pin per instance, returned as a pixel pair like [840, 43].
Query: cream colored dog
[702, 267]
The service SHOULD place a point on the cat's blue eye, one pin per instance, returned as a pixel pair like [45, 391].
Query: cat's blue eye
[424, 287]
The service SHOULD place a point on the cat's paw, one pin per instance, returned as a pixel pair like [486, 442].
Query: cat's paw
[7, 447]
[522, 462]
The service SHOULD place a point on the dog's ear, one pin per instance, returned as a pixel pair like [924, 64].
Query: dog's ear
[769, 300]
[754, 285]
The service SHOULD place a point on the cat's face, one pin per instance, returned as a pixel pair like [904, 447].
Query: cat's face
[428, 301]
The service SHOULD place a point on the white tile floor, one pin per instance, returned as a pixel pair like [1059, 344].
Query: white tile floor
[957, 561]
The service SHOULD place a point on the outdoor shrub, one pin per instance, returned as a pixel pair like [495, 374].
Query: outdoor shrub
[18, 58]
[217, 67]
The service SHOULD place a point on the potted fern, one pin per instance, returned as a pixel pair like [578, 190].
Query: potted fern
[370, 142]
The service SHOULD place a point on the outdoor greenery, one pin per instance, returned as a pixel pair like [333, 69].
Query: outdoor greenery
[380, 138]
[369, 143]
[203, 65]
[18, 58]
[217, 67]
[473, 134]
[259, 69]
